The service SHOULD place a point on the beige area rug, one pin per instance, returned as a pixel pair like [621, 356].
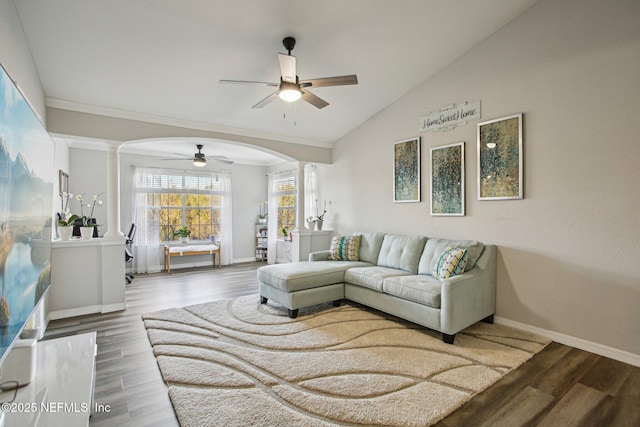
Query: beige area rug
[240, 363]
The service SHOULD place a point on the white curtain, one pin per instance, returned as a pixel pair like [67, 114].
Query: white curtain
[272, 219]
[312, 203]
[148, 250]
[226, 235]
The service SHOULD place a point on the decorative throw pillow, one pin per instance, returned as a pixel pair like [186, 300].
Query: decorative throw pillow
[451, 263]
[345, 248]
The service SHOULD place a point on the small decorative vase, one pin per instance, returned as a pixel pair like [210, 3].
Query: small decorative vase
[95, 227]
[65, 232]
[262, 220]
[86, 233]
[184, 240]
[319, 225]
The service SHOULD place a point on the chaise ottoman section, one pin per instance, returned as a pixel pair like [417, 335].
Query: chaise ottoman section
[303, 284]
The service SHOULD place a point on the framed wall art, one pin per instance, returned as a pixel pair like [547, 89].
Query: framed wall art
[406, 171]
[447, 180]
[63, 182]
[26, 206]
[500, 159]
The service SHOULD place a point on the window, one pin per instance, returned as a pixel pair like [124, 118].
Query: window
[285, 193]
[170, 200]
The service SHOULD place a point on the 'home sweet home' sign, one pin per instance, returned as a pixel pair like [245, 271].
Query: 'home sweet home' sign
[449, 117]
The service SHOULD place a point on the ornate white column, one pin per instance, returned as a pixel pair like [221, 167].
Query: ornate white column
[300, 222]
[113, 191]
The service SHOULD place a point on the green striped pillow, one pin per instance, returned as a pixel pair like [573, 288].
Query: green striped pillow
[345, 248]
[451, 263]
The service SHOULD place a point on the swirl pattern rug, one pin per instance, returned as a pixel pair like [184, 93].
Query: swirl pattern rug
[239, 363]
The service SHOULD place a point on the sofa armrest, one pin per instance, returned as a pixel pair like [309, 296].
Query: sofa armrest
[471, 296]
[319, 255]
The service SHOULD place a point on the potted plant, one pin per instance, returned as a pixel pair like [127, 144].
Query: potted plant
[262, 212]
[66, 220]
[65, 225]
[183, 233]
[319, 218]
[89, 229]
[285, 233]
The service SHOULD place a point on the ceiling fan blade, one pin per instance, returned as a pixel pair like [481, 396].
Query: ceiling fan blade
[228, 162]
[217, 158]
[180, 155]
[287, 67]
[242, 82]
[189, 158]
[331, 81]
[267, 100]
[314, 100]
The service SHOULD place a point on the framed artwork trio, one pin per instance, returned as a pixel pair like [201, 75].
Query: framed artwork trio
[499, 157]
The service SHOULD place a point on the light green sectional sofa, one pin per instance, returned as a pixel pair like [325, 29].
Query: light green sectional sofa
[393, 275]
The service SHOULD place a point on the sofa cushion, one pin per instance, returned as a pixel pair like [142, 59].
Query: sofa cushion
[371, 277]
[345, 248]
[401, 252]
[451, 263]
[370, 244]
[421, 289]
[297, 276]
[435, 247]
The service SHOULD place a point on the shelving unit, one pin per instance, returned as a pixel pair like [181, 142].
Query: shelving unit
[261, 242]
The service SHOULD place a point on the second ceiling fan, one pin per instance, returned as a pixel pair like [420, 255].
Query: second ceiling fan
[199, 159]
[290, 88]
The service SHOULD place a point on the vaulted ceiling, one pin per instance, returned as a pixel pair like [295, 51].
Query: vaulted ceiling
[163, 59]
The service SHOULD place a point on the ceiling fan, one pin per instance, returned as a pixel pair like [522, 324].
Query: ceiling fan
[290, 88]
[200, 160]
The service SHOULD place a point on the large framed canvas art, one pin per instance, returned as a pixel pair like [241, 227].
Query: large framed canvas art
[447, 180]
[406, 170]
[500, 159]
[26, 195]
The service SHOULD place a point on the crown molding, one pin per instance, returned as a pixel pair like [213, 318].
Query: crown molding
[151, 118]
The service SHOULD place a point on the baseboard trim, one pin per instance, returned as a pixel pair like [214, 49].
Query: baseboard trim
[590, 346]
[73, 312]
[108, 308]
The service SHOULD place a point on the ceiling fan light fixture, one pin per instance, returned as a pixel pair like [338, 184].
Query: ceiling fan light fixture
[289, 92]
[199, 162]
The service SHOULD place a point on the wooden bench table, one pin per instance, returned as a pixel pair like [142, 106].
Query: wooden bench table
[188, 250]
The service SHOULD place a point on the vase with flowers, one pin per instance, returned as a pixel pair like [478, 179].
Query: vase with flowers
[318, 220]
[89, 227]
[66, 219]
[262, 212]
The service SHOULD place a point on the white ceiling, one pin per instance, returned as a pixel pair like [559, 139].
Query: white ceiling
[163, 58]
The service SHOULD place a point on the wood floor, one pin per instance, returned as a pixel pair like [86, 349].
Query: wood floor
[560, 386]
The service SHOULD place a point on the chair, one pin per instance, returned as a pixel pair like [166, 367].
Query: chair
[128, 255]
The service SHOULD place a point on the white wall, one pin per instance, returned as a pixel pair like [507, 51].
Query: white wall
[568, 252]
[15, 57]
[88, 174]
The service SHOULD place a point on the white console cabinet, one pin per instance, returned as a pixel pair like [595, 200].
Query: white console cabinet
[87, 276]
[310, 241]
[61, 393]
